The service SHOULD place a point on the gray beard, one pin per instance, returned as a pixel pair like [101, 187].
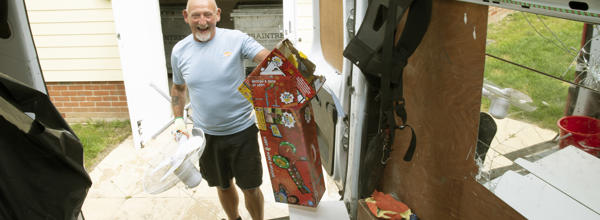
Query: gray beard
[202, 37]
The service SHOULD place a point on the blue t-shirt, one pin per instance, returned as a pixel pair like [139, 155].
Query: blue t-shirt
[212, 71]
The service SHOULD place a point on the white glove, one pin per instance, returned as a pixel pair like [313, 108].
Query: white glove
[179, 125]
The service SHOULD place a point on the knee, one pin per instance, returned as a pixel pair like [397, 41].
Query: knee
[253, 191]
[228, 189]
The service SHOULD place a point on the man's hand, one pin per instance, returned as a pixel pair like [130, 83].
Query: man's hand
[179, 126]
[263, 54]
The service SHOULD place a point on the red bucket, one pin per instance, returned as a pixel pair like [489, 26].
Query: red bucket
[580, 131]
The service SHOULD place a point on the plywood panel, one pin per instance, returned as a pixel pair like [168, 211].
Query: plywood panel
[332, 38]
[78, 52]
[80, 40]
[81, 64]
[442, 87]
[83, 75]
[66, 4]
[60, 16]
[73, 28]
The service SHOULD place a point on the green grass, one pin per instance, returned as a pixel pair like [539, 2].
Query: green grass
[514, 39]
[99, 137]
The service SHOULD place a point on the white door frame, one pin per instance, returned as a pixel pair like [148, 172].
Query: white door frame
[141, 49]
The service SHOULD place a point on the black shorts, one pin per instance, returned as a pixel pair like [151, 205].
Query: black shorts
[232, 156]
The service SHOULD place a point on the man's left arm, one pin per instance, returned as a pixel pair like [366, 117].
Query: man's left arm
[260, 56]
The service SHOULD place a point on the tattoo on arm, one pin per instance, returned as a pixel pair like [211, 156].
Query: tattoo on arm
[175, 100]
[178, 99]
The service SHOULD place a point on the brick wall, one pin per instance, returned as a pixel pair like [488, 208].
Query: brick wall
[496, 14]
[82, 101]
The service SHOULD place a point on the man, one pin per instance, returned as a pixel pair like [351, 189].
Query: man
[208, 63]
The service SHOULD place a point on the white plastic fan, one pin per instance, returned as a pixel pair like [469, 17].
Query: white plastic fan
[177, 167]
[502, 98]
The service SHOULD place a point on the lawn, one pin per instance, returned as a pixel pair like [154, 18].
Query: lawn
[99, 138]
[552, 49]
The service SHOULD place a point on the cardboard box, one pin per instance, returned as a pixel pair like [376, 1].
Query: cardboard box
[280, 88]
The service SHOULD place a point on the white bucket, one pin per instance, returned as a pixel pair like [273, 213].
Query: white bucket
[188, 174]
[499, 107]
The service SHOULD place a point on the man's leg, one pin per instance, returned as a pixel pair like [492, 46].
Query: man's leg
[229, 201]
[254, 201]
[247, 170]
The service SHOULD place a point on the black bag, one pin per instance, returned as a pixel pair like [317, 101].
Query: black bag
[41, 160]
[382, 62]
[372, 168]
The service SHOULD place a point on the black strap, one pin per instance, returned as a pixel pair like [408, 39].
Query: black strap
[387, 121]
[417, 23]
[4, 27]
[374, 52]
[413, 144]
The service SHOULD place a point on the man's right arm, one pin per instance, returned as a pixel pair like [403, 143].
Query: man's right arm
[178, 99]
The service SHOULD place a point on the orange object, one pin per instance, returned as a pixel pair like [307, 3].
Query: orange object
[371, 203]
[387, 202]
[386, 207]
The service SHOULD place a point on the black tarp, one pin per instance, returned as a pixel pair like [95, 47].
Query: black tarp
[41, 160]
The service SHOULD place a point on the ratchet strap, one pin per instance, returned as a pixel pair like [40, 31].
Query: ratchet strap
[382, 62]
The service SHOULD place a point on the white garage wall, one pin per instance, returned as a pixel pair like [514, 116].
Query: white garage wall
[75, 40]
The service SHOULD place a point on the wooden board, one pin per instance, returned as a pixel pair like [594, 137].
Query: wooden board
[442, 87]
[363, 212]
[332, 38]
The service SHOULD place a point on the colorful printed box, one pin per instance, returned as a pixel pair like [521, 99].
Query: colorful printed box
[280, 88]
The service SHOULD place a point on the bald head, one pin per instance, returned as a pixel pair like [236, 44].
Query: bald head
[202, 16]
[193, 3]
